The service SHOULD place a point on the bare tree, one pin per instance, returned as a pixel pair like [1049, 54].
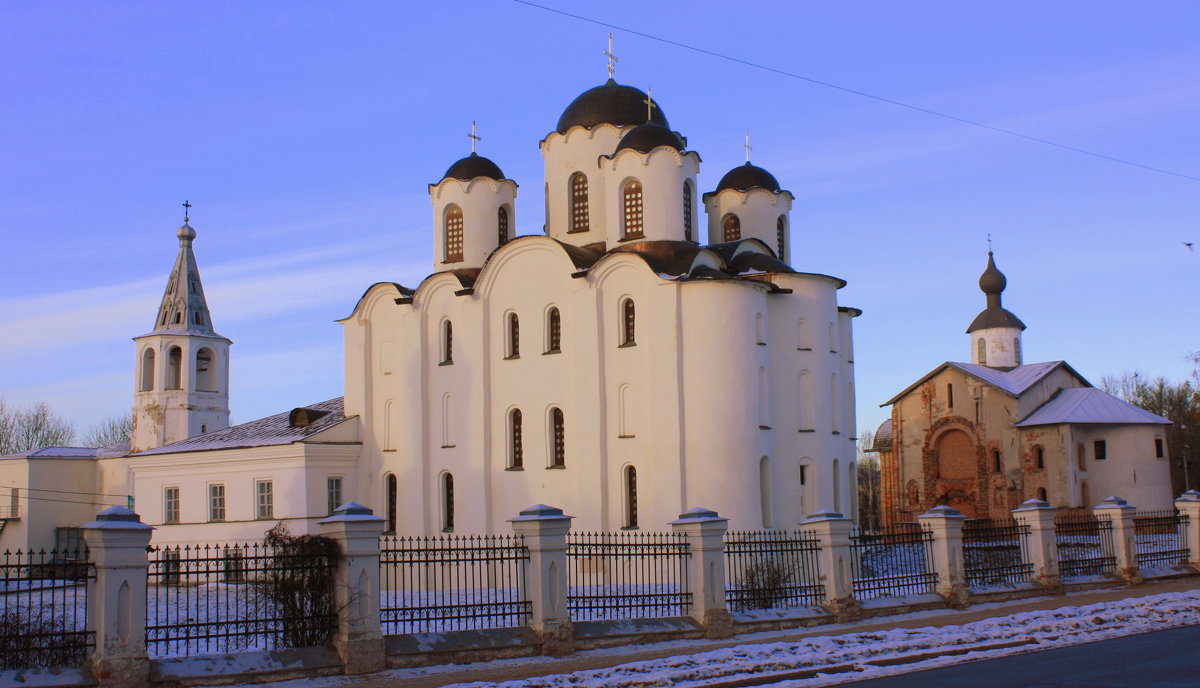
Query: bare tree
[111, 430]
[23, 429]
[870, 485]
[1178, 403]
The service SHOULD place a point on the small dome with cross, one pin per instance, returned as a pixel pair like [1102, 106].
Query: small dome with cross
[746, 177]
[472, 166]
[649, 136]
[610, 103]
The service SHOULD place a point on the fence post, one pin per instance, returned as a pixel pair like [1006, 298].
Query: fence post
[1043, 542]
[946, 524]
[1188, 505]
[359, 636]
[545, 529]
[1124, 541]
[117, 542]
[834, 563]
[705, 532]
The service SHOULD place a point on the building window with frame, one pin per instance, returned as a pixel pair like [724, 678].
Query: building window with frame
[447, 503]
[264, 492]
[175, 368]
[513, 348]
[580, 221]
[1159, 450]
[559, 437]
[949, 396]
[1041, 494]
[391, 496]
[553, 331]
[454, 234]
[781, 235]
[981, 351]
[216, 502]
[632, 199]
[731, 228]
[687, 211]
[234, 564]
[996, 465]
[1017, 349]
[170, 505]
[447, 343]
[628, 323]
[333, 492]
[1039, 457]
[631, 501]
[516, 446]
[502, 225]
[147, 383]
[1100, 450]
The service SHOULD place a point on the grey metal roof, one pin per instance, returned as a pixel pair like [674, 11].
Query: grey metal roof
[269, 431]
[1012, 380]
[1089, 405]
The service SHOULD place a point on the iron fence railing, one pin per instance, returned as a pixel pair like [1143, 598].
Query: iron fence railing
[772, 569]
[43, 609]
[996, 552]
[1161, 538]
[627, 575]
[892, 562]
[1085, 545]
[203, 599]
[453, 582]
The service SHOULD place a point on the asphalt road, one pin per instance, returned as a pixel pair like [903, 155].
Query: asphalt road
[1162, 659]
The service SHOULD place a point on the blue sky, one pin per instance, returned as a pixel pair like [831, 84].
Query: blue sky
[304, 134]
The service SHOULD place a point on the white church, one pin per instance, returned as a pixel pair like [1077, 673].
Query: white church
[652, 350]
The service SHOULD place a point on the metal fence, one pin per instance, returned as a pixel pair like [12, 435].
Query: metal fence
[1085, 545]
[205, 599]
[43, 609]
[453, 582]
[627, 575]
[893, 562]
[1161, 538]
[996, 552]
[768, 569]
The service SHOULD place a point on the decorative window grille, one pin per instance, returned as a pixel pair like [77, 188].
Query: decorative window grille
[216, 502]
[628, 323]
[265, 491]
[514, 336]
[447, 502]
[631, 504]
[171, 505]
[554, 329]
[781, 235]
[516, 447]
[391, 502]
[447, 343]
[454, 234]
[560, 438]
[633, 211]
[687, 211]
[731, 227]
[580, 222]
[333, 492]
[502, 224]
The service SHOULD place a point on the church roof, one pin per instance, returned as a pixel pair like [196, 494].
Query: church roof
[1089, 405]
[883, 437]
[184, 309]
[609, 103]
[280, 428]
[118, 449]
[746, 177]
[1014, 381]
[472, 166]
[649, 136]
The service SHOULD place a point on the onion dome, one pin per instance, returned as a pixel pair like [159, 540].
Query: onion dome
[610, 103]
[748, 177]
[992, 282]
[474, 166]
[649, 136]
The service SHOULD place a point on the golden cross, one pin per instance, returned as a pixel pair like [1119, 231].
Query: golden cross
[649, 105]
[186, 209]
[474, 139]
[747, 146]
[612, 59]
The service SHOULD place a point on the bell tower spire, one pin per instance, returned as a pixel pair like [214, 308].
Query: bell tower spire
[995, 332]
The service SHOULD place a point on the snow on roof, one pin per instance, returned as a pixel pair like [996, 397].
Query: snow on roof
[119, 449]
[272, 430]
[1089, 405]
[1012, 380]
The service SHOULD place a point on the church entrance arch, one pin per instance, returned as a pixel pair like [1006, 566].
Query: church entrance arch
[955, 453]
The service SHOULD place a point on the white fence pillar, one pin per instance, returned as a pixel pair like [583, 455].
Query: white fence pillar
[946, 524]
[359, 638]
[117, 542]
[1124, 543]
[545, 529]
[1188, 505]
[705, 531]
[1043, 543]
[834, 562]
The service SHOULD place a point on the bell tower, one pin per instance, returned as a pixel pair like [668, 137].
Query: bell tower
[181, 379]
[995, 332]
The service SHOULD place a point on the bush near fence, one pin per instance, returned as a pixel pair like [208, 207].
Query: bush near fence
[772, 569]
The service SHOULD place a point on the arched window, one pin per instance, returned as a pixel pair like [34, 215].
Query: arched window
[175, 368]
[147, 383]
[516, 447]
[803, 342]
[1041, 494]
[502, 225]
[447, 407]
[447, 503]
[514, 336]
[687, 211]
[837, 487]
[198, 318]
[981, 351]
[553, 331]
[628, 323]
[835, 408]
[624, 417]
[764, 400]
[390, 496]
[949, 396]
[804, 401]
[454, 234]
[996, 467]
[954, 453]
[760, 330]
[1017, 349]
[579, 203]
[832, 339]
[392, 425]
[913, 493]
[631, 505]
[781, 235]
[731, 228]
[558, 455]
[447, 343]
[633, 210]
[1039, 458]
[807, 481]
[764, 491]
[205, 375]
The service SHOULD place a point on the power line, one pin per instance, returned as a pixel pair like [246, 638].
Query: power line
[863, 94]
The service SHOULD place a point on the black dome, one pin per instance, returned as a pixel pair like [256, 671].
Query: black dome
[649, 136]
[748, 177]
[610, 103]
[473, 166]
[992, 281]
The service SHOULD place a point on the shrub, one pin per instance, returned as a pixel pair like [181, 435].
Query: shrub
[299, 581]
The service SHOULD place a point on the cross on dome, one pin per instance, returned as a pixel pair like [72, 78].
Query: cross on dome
[612, 59]
[649, 105]
[474, 139]
[187, 207]
[989, 239]
[747, 146]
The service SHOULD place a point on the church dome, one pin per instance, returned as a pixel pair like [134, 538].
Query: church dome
[473, 166]
[649, 136]
[992, 281]
[748, 177]
[610, 103]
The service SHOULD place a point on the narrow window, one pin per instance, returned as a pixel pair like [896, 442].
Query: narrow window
[995, 461]
[454, 234]
[624, 417]
[731, 228]
[198, 318]
[832, 339]
[764, 400]
[502, 225]
[265, 491]
[1100, 448]
[559, 459]
[333, 492]
[171, 565]
[516, 448]
[803, 343]
[1017, 349]
[391, 425]
[764, 491]
[171, 505]
[837, 488]
[579, 203]
[234, 563]
[1079, 457]
[914, 493]
[216, 502]
[178, 318]
[514, 336]
[631, 505]
[175, 368]
[1041, 494]
[687, 211]
[553, 332]
[205, 379]
[950, 396]
[447, 343]
[1158, 448]
[447, 502]
[1040, 458]
[391, 498]
[628, 323]
[147, 370]
[781, 235]
[804, 401]
[834, 407]
[447, 407]
[981, 351]
[760, 330]
[633, 210]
